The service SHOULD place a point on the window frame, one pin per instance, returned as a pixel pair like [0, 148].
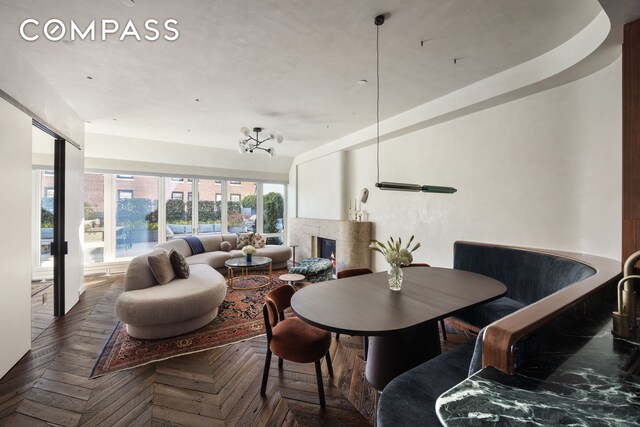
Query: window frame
[124, 191]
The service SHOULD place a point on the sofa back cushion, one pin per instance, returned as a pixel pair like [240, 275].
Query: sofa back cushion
[139, 274]
[211, 242]
[179, 245]
[528, 276]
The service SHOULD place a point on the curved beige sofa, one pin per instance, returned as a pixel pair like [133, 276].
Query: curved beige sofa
[215, 257]
[154, 311]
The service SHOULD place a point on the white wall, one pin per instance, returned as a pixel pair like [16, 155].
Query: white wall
[542, 171]
[29, 91]
[74, 228]
[322, 187]
[15, 254]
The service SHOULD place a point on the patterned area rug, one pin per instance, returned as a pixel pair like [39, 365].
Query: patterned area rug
[239, 318]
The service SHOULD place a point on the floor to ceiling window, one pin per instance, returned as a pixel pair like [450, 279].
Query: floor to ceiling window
[121, 213]
[136, 219]
[178, 206]
[241, 206]
[273, 208]
[46, 217]
[94, 218]
[209, 206]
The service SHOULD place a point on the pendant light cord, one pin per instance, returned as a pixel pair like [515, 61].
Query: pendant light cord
[378, 101]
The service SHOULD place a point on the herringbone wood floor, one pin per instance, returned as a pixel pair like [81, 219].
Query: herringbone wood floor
[219, 387]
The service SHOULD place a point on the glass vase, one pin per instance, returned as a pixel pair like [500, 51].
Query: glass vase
[249, 257]
[395, 277]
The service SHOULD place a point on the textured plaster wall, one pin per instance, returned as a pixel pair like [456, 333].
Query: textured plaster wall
[542, 171]
[322, 187]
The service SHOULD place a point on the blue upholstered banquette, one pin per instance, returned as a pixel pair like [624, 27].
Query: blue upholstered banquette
[530, 275]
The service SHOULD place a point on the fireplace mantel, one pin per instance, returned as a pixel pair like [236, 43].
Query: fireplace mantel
[352, 240]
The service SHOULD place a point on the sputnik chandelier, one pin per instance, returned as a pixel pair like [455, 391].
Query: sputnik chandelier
[248, 143]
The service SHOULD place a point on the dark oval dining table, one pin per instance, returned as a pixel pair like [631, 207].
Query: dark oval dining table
[401, 325]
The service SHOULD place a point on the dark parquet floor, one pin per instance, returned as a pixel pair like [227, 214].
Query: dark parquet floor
[218, 387]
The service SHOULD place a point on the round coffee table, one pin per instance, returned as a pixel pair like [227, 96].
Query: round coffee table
[240, 264]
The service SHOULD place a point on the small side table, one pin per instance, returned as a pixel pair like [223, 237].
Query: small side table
[294, 253]
[291, 278]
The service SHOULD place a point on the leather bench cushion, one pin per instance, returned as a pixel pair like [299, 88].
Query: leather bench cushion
[177, 301]
[410, 399]
[487, 313]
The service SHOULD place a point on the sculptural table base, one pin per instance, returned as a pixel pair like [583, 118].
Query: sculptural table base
[392, 355]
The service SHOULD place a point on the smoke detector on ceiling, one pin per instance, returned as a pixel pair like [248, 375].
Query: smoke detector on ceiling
[129, 3]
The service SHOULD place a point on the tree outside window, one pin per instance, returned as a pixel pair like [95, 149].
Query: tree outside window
[273, 211]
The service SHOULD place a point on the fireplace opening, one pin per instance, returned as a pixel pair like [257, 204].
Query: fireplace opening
[327, 249]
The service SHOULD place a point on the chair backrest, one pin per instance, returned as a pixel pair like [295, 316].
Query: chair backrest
[353, 272]
[418, 264]
[276, 301]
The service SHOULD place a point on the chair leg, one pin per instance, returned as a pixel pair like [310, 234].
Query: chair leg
[338, 336]
[280, 362]
[444, 330]
[320, 387]
[265, 375]
[365, 339]
[329, 365]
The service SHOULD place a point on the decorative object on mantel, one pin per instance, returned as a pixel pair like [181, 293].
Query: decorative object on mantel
[364, 195]
[396, 256]
[248, 252]
[395, 186]
[624, 320]
[248, 143]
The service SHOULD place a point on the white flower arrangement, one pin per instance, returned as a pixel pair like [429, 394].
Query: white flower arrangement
[248, 250]
[393, 251]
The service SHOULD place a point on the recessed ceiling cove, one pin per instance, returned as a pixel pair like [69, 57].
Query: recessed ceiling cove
[291, 65]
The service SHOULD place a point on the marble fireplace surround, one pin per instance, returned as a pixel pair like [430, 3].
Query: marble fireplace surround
[352, 240]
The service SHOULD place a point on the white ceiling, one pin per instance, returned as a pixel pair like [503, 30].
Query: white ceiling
[288, 65]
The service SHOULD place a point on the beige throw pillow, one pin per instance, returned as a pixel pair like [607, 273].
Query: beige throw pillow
[225, 246]
[161, 268]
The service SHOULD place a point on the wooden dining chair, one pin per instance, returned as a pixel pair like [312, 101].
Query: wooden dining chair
[444, 331]
[292, 339]
[350, 273]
